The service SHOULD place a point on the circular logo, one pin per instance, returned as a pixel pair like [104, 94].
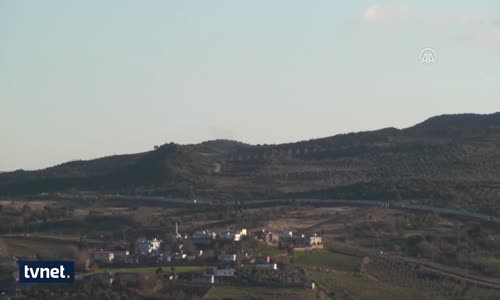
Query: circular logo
[428, 56]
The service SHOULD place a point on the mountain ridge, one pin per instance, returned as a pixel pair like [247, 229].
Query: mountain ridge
[443, 160]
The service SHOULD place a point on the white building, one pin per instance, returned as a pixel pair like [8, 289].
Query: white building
[148, 246]
[233, 235]
[315, 240]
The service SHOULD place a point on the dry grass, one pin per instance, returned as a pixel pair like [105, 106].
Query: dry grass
[28, 247]
[236, 292]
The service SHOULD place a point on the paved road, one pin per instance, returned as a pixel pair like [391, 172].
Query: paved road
[251, 203]
[321, 202]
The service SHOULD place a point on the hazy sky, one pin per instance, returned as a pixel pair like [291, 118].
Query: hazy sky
[83, 79]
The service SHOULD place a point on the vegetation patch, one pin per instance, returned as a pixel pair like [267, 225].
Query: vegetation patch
[178, 269]
[28, 247]
[262, 249]
[236, 292]
[359, 287]
[327, 259]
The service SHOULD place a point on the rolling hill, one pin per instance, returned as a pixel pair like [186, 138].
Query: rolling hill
[448, 160]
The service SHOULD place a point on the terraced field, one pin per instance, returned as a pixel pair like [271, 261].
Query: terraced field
[433, 285]
[345, 286]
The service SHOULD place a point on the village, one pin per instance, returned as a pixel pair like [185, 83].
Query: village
[206, 258]
[284, 252]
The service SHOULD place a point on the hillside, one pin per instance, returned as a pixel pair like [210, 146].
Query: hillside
[449, 160]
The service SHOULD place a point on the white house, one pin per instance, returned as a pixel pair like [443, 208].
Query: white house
[148, 246]
[315, 240]
[233, 235]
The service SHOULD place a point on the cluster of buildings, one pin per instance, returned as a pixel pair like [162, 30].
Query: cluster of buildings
[228, 256]
[290, 240]
[118, 254]
[207, 277]
[146, 251]
[149, 249]
[205, 237]
[148, 246]
[122, 255]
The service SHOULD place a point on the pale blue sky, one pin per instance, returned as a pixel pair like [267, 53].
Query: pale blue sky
[84, 79]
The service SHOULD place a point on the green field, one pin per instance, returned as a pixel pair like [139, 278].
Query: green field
[235, 292]
[415, 232]
[357, 287]
[494, 262]
[178, 269]
[327, 259]
[491, 265]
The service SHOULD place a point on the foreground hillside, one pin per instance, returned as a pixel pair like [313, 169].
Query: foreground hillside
[451, 160]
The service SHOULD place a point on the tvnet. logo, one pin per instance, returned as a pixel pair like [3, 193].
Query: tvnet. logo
[46, 271]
